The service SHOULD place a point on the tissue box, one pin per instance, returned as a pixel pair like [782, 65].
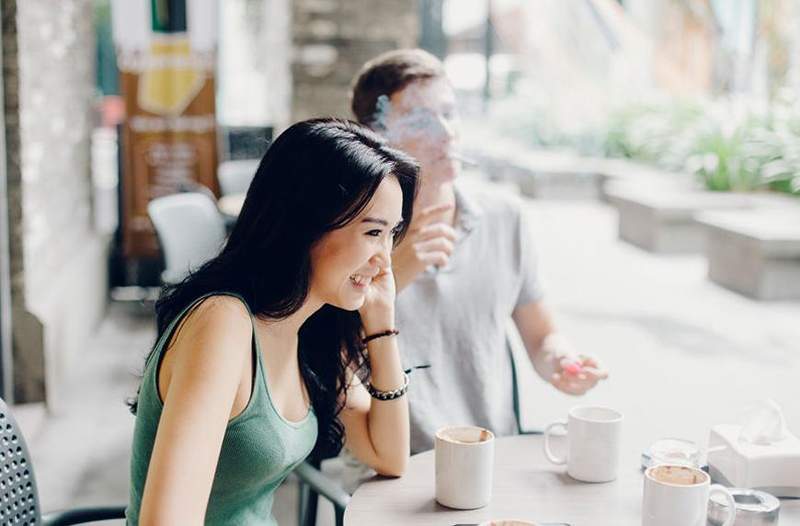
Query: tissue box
[774, 468]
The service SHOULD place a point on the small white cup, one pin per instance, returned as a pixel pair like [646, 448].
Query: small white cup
[593, 434]
[464, 466]
[676, 494]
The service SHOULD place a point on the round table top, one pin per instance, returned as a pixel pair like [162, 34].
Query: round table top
[525, 486]
[231, 204]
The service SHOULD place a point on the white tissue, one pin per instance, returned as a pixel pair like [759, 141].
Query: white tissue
[763, 423]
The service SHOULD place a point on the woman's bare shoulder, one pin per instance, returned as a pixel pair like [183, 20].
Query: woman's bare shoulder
[218, 322]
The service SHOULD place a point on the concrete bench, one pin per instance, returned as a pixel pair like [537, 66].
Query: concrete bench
[620, 174]
[755, 253]
[541, 174]
[661, 220]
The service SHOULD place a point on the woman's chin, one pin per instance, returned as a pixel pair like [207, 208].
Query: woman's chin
[351, 304]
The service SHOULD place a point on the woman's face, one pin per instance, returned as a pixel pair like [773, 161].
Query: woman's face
[421, 120]
[344, 262]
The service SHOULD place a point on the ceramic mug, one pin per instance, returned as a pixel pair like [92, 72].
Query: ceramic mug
[464, 465]
[593, 436]
[677, 494]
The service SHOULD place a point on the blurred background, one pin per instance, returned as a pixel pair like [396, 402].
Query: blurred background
[656, 142]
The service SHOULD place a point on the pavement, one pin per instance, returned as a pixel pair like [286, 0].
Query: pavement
[683, 354]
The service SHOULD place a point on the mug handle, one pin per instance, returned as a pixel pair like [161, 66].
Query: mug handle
[549, 452]
[716, 488]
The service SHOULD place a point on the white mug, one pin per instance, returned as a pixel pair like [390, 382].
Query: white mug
[593, 434]
[676, 494]
[464, 466]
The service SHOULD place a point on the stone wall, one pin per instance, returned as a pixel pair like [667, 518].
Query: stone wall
[27, 356]
[63, 262]
[333, 38]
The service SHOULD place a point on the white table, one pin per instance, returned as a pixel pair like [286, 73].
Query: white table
[526, 486]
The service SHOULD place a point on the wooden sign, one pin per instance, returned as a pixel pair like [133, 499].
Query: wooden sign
[167, 81]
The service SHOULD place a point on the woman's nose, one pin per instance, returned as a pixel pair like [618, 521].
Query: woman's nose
[383, 257]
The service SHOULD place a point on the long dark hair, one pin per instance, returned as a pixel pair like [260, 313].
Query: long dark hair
[316, 177]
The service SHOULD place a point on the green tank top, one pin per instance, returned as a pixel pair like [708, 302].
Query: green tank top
[259, 449]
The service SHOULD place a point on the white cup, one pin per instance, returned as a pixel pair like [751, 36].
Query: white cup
[676, 494]
[593, 434]
[464, 465]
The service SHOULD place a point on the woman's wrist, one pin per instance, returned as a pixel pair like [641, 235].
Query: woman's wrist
[382, 334]
[377, 323]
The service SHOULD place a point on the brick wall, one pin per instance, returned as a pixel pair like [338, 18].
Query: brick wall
[333, 38]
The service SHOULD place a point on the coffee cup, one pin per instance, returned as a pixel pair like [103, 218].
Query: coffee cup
[678, 494]
[593, 436]
[464, 465]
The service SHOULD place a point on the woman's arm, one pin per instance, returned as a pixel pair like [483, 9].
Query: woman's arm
[377, 431]
[205, 369]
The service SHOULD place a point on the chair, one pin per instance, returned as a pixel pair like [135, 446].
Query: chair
[190, 230]
[235, 176]
[20, 496]
[313, 482]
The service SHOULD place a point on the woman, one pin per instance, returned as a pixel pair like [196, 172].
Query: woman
[261, 353]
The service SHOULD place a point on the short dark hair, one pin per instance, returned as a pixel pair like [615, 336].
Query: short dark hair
[387, 74]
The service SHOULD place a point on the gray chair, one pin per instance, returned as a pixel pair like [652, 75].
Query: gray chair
[313, 482]
[19, 496]
[190, 231]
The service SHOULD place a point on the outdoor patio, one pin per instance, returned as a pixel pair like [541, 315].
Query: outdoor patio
[655, 144]
[657, 323]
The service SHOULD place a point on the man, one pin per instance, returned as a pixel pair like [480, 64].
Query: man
[466, 266]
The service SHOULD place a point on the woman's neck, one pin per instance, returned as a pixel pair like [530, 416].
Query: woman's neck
[283, 333]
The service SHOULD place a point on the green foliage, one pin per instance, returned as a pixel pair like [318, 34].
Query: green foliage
[730, 145]
[727, 148]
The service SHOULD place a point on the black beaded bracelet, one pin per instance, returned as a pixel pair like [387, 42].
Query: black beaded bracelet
[389, 395]
[390, 332]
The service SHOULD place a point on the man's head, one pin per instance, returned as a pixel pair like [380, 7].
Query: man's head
[406, 96]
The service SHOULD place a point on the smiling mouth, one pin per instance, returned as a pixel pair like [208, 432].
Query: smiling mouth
[360, 281]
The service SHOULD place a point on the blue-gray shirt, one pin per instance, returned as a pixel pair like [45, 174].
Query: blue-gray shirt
[455, 318]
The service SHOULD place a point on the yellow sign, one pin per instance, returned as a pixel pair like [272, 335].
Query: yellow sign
[172, 81]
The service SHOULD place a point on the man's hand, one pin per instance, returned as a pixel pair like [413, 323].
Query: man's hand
[428, 241]
[576, 375]
[552, 355]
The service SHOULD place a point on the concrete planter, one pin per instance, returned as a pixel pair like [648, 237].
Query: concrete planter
[662, 221]
[541, 183]
[543, 175]
[755, 253]
[616, 174]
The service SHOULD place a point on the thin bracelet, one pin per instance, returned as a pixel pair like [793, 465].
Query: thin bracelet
[389, 395]
[390, 332]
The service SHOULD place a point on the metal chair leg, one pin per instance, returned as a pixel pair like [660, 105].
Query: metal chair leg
[302, 502]
[311, 508]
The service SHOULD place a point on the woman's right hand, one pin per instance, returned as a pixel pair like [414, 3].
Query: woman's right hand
[428, 242]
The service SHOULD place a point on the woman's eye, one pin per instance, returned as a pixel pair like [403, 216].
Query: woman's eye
[374, 233]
